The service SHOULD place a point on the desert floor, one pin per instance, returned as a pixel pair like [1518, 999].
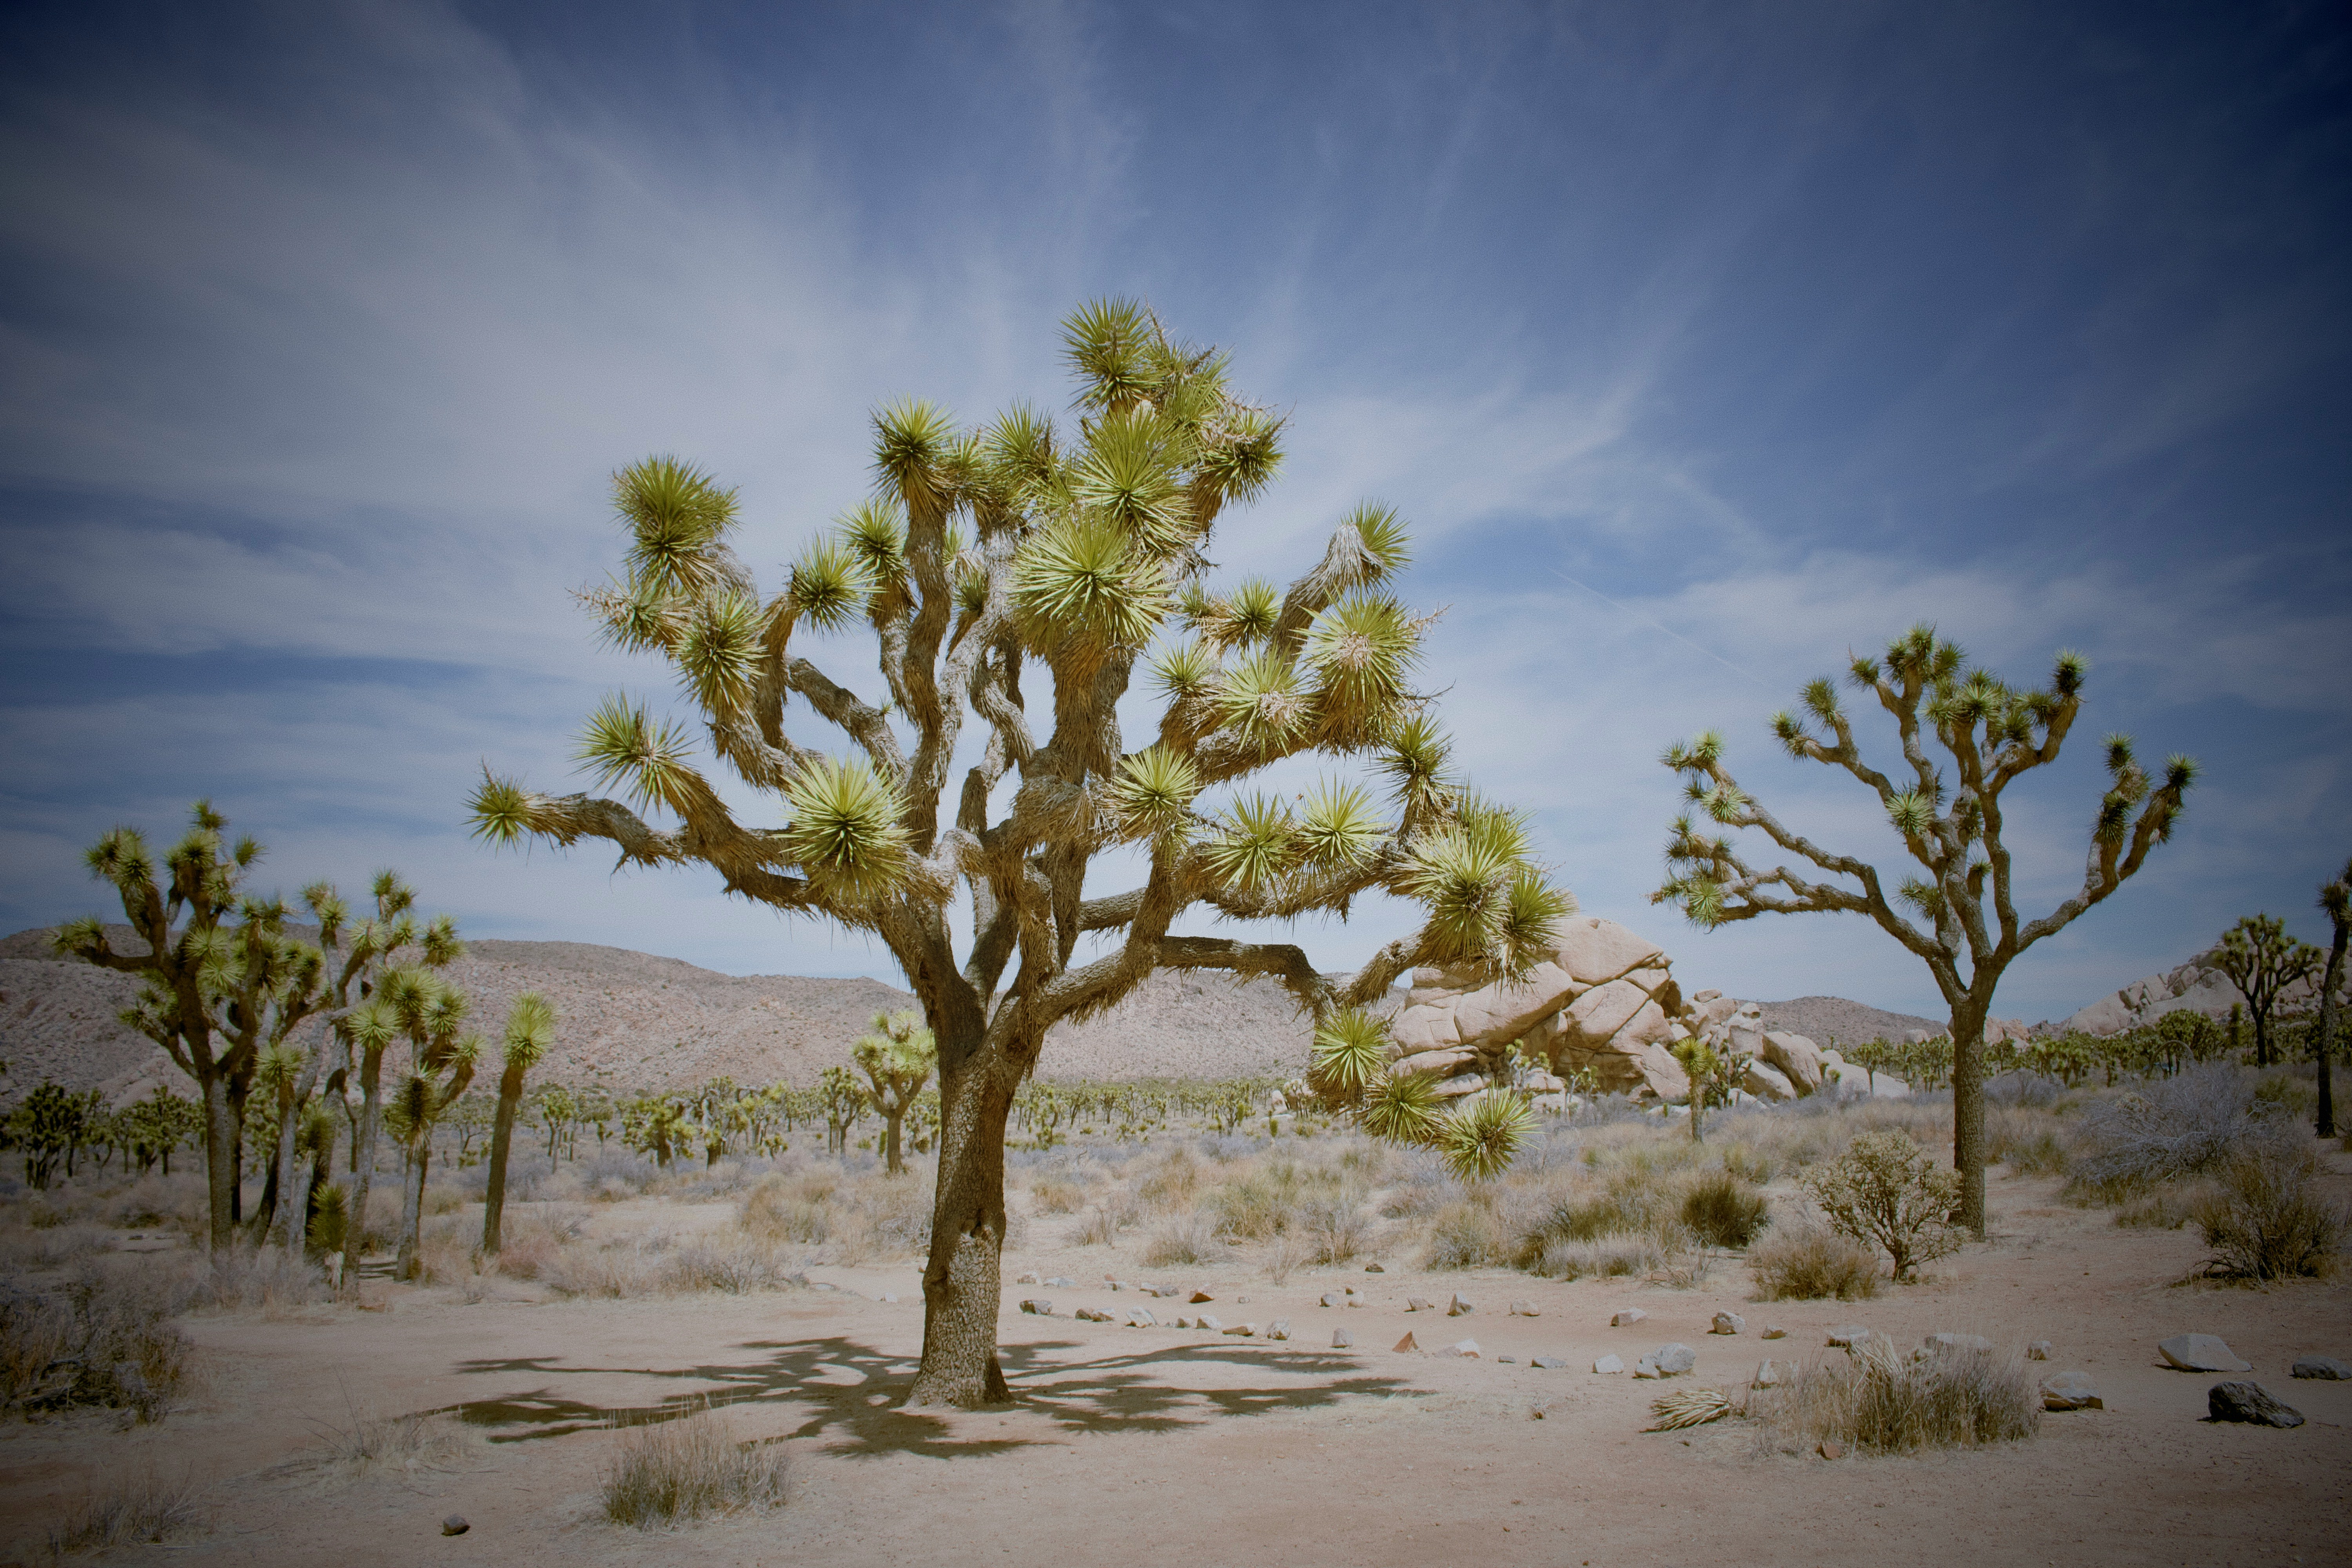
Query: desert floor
[1210, 1450]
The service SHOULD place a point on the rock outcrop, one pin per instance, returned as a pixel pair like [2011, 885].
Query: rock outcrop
[2197, 986]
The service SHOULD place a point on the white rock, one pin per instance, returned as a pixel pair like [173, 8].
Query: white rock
[1767, 1082]
[1280, 1330]
[1627, 1318]
[1342, 1339]
[1728, 1323]
[1958, 1343]
[1459, 1307]
[2201, 1352]
[1768, 1375]
[1468, 1349]
[1799, 1060]
[1609, 1363]
[2070, 1391]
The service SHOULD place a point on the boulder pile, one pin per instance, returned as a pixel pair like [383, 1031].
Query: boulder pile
[1606, 1008]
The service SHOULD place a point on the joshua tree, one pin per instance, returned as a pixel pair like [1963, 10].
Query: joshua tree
[223, 981]
[1950, 821]
[2261, 961]
[896, 1058]
[841, 1101]
[531, 1029]
[1022, 572]
[429, 1013]
[2335, 898]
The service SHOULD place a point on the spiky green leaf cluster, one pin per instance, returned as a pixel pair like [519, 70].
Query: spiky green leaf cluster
[1480, 1142]
[846, 832]
[1351, 1054]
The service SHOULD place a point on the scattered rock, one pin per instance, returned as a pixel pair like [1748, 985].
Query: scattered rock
[2249, 1402]
[1182, 1321]
[2038, 1350]
[1459, 1307]
[1141, 1318]
[1419, 1304]
[1029, 1280]
[1408, 1343]
[1507, 1360]
[1210, 1323]
[1545, 1412]
[1958, 1343]
[1548, 1363]
[1728, 1323]
[1331, 1298]
[1038, 1305]
[1280, 1330]
[2322, 1366]
[1243, 1331]
[455, 1525]
[2201, 1352]
[1627, 1318]
[1374, 1268]
[1847, 1336]
[1609, 1363]
[1830, 1449]
[2070, 1391]
[1092, 1315]
[1199, 1295]
[1768, 1375]
[1466, 1349]
[1342, 1339]
[1060, 1283]
[1775, 1332]
[1667, 1361]
[1526, 1309]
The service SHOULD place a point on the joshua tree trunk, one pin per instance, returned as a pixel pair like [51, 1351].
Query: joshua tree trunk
[2325, 1126]
[890, 1122]
[412, 1208]
[494, 1197]
[1968, 1111]
[364, 1138]
[220, 1162]
[962, 1280]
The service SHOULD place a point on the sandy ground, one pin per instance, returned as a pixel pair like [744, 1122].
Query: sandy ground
[1207, 1450]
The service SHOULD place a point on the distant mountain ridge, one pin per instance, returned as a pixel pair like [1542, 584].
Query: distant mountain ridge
[634, 1021]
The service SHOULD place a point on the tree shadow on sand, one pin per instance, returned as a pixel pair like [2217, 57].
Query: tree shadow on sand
[851, 1393]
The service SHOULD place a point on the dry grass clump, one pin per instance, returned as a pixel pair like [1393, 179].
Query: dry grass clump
[1627, 1256]
[1811, 1262]
[1057, 1194]
[676, 1471]
[2168, 1207]
[361, 1444]
[58, 1246]
[1336, 1228]
[790, 1208]
[532, 1237]
[2025, 1140]
[1102, 1224]
[101, 1340]
[2266, 1219]
[1465, 1234]
[1170, 1181]
[660, 1264]
[1874, 1401]
[137, 1509]
[1723, 1210]
[1186, 1236]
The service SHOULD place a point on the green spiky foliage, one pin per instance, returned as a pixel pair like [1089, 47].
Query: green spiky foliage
[2262, 959]
[1480, 1139]
[897, 1059]
[428, 1015]
[1401, 1107]
[225, 986]
[841, 1100]
[1351, 1055]
[2336, 901]
[1964, 736]
[1018, 577]
[529, 1034]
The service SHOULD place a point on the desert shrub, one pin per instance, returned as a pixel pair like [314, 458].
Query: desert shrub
[1335, 1228]
[779, 1209]
[1185, 1237]
[1749, 1163]
[1266, 1202]
[673, 1471]
[361, 1444]
[1876, 1402]
[140, 1509]
[1057, 1194]
[2285, 1094]
[2026, 1142]
[101, 1340]
[531, 1238]
[890, 1217]
[1171, 1181]
[2266, 1218]
[2166, 1207]
[266, 1279]
[1102, 1224]
[441, 1198]
[1616, 1259]
[1884, 1190]
[1465, 1236]
[55, 1246]
[2177, 1127]
[733, 1262]
[1811, 1263]
[1722, 1210]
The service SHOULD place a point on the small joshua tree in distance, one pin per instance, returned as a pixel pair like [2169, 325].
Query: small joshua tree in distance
[1965, 925]
[2261, 961]
[531, 1029]
[896, 1060]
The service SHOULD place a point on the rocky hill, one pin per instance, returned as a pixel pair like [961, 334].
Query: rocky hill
[1834, 1020]
[629, 1021]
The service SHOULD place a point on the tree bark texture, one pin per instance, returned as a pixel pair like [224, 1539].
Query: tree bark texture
[494, 1197]
[412, 1211]
[2326, 1124]
[962, 1282]
[220, 1163]
[1968, 1114]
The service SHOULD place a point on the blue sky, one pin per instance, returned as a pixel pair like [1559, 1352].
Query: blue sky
[1699, 342]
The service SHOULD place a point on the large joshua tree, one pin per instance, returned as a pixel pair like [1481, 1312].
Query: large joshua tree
[1023, 572]
[2335, 898]
[1963, 923]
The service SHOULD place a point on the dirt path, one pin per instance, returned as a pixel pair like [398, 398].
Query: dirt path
[1208, 1450]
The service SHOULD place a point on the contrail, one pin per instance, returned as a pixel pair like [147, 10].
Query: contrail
[1668, 630]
